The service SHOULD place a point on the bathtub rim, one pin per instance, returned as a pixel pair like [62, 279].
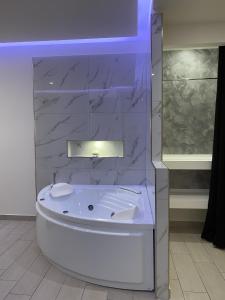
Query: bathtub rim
[145, 221]
[69, 220]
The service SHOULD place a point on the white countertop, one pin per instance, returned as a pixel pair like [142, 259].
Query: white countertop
[188, 161]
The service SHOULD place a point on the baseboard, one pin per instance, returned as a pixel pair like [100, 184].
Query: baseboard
[17, 217]
[186, 227]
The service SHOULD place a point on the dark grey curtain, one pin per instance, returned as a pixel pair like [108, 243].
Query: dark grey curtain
[214, 228]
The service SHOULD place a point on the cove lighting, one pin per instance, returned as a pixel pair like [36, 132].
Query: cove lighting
[144, 11]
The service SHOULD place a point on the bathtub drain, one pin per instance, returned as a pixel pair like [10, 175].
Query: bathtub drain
[90, 207]
[65, 211]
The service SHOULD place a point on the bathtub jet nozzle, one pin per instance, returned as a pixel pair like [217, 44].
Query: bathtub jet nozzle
[90, 207]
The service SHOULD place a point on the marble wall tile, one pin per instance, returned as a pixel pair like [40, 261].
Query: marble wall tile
[156, 130]
[134, 130]
[61, 103]
[53, 127]
[162, 233]
[73, 175]
[162, 184]
[106, 101]
[156, 58]
[160, 181]
[60, 73]
[133, 100]
[111, 70]
[193, 63]
[106, 126]
[137, 177]
[84, 72]
[188, 116]
[111, 106]
[156, 86]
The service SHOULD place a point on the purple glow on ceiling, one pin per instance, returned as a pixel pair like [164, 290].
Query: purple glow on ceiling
[144, 10]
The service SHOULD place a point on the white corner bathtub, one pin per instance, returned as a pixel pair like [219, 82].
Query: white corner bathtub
[79, 234]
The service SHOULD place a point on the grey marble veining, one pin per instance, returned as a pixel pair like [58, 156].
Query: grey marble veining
[101, 97]
[159, 182]
[84, 72]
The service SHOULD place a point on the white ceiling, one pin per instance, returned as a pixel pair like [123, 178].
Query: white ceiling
[191, 11]
[30, 20]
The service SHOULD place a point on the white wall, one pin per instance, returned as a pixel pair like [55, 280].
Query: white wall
[194, 35]
[17, 184]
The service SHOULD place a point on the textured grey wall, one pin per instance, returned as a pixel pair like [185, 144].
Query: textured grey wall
[189, 94]
[100, 97]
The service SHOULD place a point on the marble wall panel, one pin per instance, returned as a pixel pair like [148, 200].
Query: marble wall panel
[84, 72]
[90, 98]
[159, 182]
[61, 103]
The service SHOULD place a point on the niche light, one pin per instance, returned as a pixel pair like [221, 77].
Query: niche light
[144, 10]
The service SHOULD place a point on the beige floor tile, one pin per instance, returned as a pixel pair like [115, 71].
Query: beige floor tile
[7, 229]
[192, 237]
[198, 252]
[7, 241]
[50, 285]
[8, 257]
[217, 255]
[173, 273]
[223, 274]
[30, 235]
[17, 297]
[212, 280]
[176, 237]
[143, 296]
[32, 278]
[114, 294]
[196, 296]
[187, 273]
[93, 292]
[72, 289]
[176, 292]
[178, 247]
[20, 229]
[21, 265]
[5, 288]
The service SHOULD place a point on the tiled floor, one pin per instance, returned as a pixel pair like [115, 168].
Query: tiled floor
[197, 271]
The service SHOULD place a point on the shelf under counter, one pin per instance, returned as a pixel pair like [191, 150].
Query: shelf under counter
[189, 199]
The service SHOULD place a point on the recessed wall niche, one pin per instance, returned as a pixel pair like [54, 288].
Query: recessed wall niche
[95, 149]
